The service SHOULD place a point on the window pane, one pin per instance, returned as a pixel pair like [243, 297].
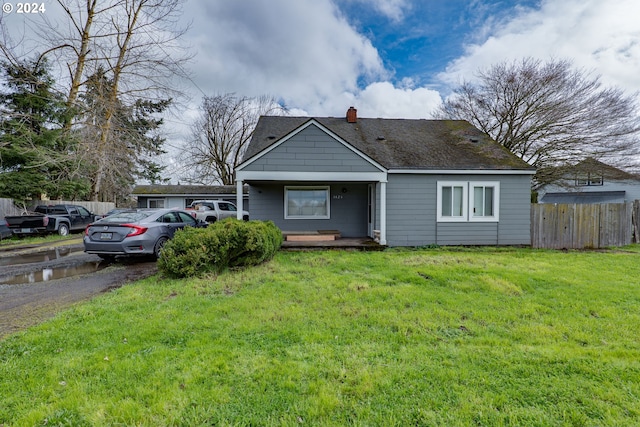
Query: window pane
[446, 201]
[156, 203]
[452, 201]
[311, 202]
[488, 201]
[478, 199]
[483, 201]
[457, 201]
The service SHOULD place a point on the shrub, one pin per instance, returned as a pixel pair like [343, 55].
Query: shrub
[226, 243]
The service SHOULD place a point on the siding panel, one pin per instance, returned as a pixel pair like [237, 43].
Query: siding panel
[348, 208]
[412, 219]
[311, 150]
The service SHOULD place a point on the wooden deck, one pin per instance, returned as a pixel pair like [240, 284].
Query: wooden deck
[344, 243]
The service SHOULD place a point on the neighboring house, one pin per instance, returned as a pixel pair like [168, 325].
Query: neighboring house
[592, 181]
[404, 182]
[181, 196]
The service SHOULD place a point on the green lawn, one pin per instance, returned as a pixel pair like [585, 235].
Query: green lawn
[450, 337]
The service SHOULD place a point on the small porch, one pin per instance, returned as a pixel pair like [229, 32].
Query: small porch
[303, 208]
[342, 243]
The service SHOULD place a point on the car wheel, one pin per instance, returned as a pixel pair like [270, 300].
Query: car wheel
[245, 218]
[107, 257]
[211, 219]
[63, 229]
[158, 247]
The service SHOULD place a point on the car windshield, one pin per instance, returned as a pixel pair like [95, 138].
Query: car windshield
[124, 217]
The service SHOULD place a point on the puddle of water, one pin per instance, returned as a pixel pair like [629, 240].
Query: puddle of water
[47, 274]
[49, 255]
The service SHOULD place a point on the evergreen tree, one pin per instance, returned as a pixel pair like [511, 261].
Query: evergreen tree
[36, 155]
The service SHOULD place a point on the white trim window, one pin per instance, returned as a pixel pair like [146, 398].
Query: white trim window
[155, 203]
[462, 201]
[307, 202]
[452, 201]
[484, 201]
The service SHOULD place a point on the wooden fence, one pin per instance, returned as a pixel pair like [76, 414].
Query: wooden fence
[8, 208]
[583, 226]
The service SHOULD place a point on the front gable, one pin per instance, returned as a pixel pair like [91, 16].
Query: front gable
[312, 148]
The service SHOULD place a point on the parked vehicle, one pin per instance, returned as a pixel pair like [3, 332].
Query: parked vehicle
[114, 211]
[135, 232]
[215, 210]
[61, 219]
[5, 231]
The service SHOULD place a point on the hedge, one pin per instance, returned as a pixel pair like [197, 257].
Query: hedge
[226, 243]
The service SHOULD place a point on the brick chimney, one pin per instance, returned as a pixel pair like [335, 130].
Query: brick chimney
[352, 115]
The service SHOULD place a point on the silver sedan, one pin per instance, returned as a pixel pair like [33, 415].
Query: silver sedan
[135, 232]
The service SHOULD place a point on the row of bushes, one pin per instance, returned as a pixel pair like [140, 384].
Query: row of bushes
[227, 243]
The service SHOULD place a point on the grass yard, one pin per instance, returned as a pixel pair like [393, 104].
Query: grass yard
[449, 337]
[53, 239]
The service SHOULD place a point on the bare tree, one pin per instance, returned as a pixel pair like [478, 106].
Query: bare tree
[549, 114]
[221, 135]
[136, 44]
[137, 54]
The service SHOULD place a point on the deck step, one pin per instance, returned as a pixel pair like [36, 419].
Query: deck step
[311, 236]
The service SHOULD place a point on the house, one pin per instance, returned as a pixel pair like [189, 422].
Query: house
[591, 181]
[181, 196]
[403, 182]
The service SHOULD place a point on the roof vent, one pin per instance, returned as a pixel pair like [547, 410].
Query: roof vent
[352, 115]
[272, 137]
[474, 139]
[381, 138]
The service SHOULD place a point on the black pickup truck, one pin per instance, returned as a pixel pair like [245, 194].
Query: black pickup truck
[61, 219]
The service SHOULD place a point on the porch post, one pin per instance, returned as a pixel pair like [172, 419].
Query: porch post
[239, 198]
[383, 212]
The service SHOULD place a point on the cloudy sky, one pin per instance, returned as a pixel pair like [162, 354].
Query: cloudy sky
[388, 58]
[397, 58]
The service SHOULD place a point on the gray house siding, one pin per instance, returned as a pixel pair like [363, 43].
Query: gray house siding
[412, 216]
[631, 189]
[515, 214]
[311, 150]
[411, 210]
[169, 202]
[348, 204]
[181, 202]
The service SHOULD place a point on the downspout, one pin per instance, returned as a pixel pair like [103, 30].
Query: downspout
[239, 197]
[383, 212]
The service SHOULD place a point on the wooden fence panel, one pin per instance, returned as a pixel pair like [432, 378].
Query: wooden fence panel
[586, 233]
[635, 219]
[7, 208]
[580, 226]
[616, 224]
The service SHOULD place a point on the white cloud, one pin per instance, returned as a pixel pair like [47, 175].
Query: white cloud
[393, 9]
[598, 35]
[382, 99]
[301, 51]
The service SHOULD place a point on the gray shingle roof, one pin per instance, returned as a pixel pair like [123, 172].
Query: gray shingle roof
[591, 165]
[401, 143]
[162, 189]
